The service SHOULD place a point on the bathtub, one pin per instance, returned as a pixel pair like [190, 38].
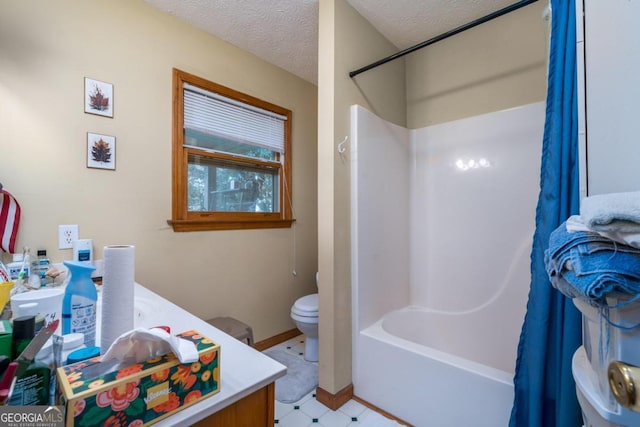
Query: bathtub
[413, 364]
[440, 263]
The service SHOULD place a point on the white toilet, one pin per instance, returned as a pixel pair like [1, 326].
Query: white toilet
[304, 313]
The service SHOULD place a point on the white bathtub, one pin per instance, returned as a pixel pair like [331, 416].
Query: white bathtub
[399, 368]
[440, 263]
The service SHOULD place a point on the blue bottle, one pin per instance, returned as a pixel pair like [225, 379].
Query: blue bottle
[79, 303]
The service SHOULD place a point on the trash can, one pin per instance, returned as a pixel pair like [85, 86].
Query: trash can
[237, 329]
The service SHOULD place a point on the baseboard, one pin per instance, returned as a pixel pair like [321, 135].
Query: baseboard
[381, 412]
[331, 401]
[276, 339]
[334, 401]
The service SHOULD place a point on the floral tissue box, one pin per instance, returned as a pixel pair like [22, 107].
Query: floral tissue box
[140, 394]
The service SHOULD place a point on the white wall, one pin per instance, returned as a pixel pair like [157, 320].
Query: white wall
[471, 230]
[610, 72]
[427, 233]
[380, 212]
[468, 227]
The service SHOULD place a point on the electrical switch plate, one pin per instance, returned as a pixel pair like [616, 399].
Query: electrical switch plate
[67, 234]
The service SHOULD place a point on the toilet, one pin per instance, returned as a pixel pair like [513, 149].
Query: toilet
[304, 313]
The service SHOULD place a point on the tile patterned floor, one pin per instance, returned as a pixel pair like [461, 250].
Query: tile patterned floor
[307, 412]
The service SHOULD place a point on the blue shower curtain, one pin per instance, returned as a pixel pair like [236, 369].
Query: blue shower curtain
[544, 388]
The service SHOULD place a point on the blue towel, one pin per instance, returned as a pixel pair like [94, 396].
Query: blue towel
[612, 212]
[587, 265]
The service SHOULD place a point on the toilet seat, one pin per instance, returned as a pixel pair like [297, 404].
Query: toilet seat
[306, 306]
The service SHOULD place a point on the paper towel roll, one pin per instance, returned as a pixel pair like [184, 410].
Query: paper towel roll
[117, 293]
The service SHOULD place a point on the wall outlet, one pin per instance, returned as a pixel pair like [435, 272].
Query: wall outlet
[67, 234]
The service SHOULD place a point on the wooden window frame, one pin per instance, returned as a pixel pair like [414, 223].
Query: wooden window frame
[185, 220]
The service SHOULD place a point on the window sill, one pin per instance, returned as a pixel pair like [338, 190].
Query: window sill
[200, 225]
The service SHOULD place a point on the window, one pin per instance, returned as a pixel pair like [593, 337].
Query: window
[231, 158]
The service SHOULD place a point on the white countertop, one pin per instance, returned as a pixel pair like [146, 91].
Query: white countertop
[243, 370]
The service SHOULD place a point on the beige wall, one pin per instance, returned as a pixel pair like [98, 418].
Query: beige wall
[497, 65]
[347, 42]
[46, 50]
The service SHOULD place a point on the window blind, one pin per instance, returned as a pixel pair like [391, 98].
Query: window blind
[214, 114]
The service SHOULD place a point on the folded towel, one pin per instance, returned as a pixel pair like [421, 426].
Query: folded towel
[588, 265]
[631, 239]
[575, 223]
[612, 212]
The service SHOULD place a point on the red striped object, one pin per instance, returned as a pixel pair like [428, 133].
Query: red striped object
[9, 221]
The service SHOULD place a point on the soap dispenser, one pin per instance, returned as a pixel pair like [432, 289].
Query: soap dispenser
[79, 303]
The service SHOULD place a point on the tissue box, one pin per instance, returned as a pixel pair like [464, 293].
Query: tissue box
[139, 394]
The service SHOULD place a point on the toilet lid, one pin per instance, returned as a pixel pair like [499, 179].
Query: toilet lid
[307, 305]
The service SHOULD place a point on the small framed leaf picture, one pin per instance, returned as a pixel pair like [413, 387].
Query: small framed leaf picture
[98, 97]
[101, 151]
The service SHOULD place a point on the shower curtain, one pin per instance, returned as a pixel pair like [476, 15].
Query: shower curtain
[545, 393]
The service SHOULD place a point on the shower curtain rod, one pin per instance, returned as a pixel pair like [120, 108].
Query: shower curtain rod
[443, 36]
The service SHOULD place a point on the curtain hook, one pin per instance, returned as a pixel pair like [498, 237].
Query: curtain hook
[341, 148]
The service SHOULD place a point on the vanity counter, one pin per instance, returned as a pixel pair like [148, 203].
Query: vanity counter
[246, 376]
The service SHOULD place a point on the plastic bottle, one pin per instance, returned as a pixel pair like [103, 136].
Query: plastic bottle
[23, 332]
[79, 303]
[32, 387]
[70, 343]
[40, 265]
[16, 266]
[45, 359]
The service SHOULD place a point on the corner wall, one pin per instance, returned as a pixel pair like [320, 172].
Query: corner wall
[347, 41]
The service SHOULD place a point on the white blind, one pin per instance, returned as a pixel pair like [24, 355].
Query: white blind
[218, 115]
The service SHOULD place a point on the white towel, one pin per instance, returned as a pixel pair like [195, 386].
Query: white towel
[617, 212]
[575, 223]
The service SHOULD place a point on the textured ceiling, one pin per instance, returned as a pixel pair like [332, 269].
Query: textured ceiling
[285, 32]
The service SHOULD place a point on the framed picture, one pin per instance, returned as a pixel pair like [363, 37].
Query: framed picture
[101, 151]
[98, 97]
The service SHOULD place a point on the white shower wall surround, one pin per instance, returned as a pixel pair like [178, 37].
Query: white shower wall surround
[442, 225]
